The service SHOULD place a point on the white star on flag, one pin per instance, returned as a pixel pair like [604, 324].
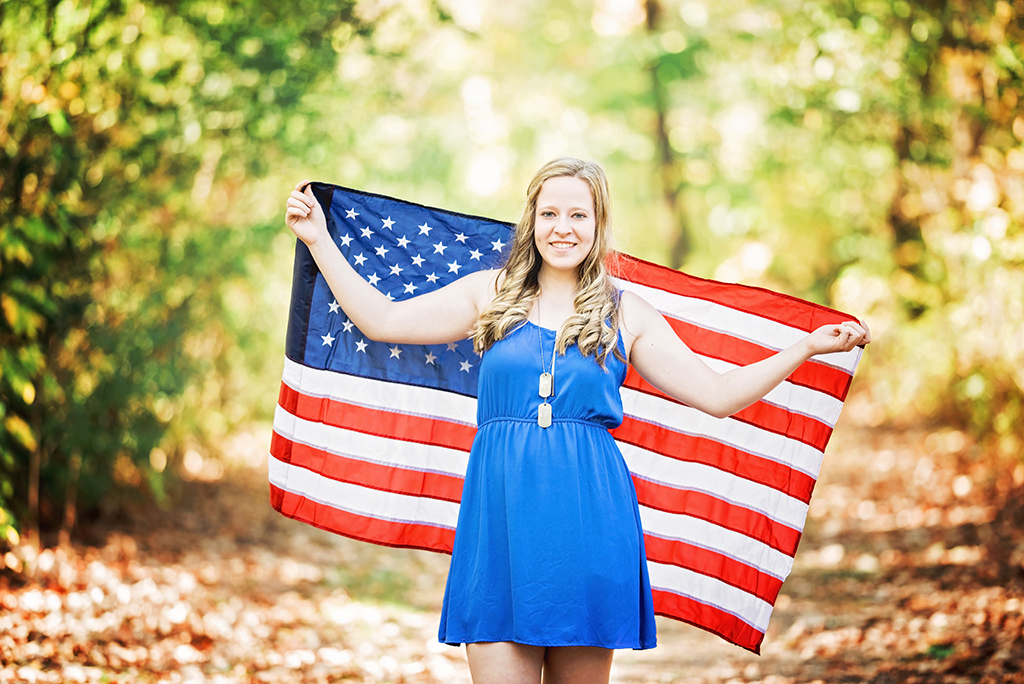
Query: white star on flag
[430, 358]
[347, 325]
[425, 229]
[345, 239]
[388, 222]
[461, 237]
[439, 248]
[333, 306]
[475, 254]
[390, 298]
[327, 340]
[361, 346]
[351, 213]
[373, 279]
[410, 288]
[396, 352]
[359, 259]
[454, 267]
[403, 241]
[367, 232]
[381, 251]
[432, 278]
[497, 245]
[418, 260]
[396, 269]
[452, 346]
[465, 366]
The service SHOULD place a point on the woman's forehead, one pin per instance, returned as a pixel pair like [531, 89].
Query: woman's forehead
[565, 191]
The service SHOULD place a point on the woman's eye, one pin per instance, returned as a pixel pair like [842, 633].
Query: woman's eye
[547, 214]
[579, 215]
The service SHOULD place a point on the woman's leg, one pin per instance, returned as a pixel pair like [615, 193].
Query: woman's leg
[577, 665]
[503, 662]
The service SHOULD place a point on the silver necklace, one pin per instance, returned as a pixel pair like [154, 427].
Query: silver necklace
[547, 380]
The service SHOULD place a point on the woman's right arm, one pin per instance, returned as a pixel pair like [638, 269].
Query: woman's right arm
[444, 315]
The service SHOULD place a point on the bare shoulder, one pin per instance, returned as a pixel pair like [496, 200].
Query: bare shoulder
[482, 285]
[635, 312]
[634, 318]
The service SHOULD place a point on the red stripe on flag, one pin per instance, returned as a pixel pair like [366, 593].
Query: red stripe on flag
[682, 447]
[361, 527]
[757, 301]
[818, 376]
[707, 507]
[386, 478]
[713, 564]
[774, 419]
[724, 624]
[401, 426]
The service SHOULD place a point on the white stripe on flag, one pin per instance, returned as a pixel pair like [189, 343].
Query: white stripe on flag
[391, 396]
[710, 536]
[712, 592]
[362, 500]
[740, 324]
[749, 438]
[718, 483]
[372, 448]
[795, 398]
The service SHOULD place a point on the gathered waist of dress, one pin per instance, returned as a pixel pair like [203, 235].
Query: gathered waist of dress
[519, 419]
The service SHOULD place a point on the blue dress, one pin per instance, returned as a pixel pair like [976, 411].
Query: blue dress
[549, 549]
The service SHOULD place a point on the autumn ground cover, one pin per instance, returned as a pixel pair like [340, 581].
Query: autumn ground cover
[908, 571]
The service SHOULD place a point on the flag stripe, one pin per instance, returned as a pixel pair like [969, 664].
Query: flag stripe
[743, 325]
[726, 625]
[711, 591]
[397, 508]
[404, 426]
[708, 535]
[695, 449]
[707, 562]
[732, 516]
[362, 527]
[712, 344]
[775, 419]
[374, 474]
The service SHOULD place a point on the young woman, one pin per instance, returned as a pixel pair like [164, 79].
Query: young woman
[548, 574]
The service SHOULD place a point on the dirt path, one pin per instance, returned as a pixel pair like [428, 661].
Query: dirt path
[890, 585]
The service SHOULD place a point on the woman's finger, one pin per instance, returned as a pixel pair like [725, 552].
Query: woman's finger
[305, 199]
[300, 184]
[300, 206]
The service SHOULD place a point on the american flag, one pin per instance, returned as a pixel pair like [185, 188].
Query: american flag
[371, 439]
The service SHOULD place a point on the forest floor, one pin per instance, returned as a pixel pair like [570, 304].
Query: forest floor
[901, 577]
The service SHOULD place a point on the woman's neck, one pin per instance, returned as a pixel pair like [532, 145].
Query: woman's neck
[558, 293]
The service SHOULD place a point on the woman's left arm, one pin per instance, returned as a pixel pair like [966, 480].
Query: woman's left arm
[665, 361]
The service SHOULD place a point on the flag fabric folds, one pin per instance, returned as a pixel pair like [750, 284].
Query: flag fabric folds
[371, 439]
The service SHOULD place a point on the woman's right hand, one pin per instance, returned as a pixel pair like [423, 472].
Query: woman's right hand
[304, 216]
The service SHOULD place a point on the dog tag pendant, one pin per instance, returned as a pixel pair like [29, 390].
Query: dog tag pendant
[544, 415]
[545, 385]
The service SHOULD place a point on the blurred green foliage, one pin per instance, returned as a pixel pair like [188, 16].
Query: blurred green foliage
[862, 153]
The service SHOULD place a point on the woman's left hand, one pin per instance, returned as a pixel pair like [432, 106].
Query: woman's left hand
[838, 337]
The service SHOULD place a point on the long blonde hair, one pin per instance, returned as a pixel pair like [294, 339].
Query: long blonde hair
[594, 327]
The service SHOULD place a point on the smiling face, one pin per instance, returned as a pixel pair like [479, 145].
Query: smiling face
[565, 222]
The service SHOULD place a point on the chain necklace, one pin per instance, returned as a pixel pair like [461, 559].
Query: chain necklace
[547, 380]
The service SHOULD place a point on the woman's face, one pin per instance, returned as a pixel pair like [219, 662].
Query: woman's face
[565, 222]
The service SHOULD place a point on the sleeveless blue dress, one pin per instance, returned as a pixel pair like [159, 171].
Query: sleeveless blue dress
[549, 549]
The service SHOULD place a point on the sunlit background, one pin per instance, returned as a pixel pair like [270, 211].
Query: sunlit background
[864, 154]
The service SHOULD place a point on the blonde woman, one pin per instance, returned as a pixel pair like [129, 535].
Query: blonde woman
[548, 574]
